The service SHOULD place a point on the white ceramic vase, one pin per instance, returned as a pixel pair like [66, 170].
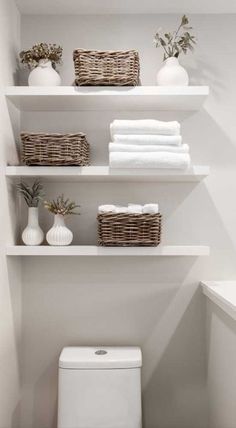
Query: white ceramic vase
[33, 234]
[172, 74]
[59, 234]
[44, 75]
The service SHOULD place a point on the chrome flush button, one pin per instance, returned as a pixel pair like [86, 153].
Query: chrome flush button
[101, 352]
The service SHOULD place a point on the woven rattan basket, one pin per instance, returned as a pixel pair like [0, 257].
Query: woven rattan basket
[55, 149]
[129, 230]
[106, 68]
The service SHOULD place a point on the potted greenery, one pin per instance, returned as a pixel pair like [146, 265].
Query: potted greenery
[59, 234]
[33, 195]
[42, 59]
[174, 44]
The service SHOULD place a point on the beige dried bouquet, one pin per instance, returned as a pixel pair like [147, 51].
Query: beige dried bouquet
[61, 206]
[32, 56]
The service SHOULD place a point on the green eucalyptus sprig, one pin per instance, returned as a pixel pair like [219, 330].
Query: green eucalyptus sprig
[176, 42]
[32, 195]
[32, 56]
[61, 206]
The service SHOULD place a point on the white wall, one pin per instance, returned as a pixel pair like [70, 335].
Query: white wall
[10, 286]
[221, 373]
[148, 302]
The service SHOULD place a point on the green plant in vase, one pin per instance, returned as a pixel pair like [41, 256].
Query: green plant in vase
[175, 43]
[33, 196]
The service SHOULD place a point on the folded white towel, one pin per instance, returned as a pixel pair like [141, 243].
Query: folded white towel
[149, 160]
[144, 126]
[115, 147]
[106, 209]
[150, 209]
[134, 209]
[174, 140]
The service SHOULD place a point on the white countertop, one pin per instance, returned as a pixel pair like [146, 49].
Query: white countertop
[223, 294]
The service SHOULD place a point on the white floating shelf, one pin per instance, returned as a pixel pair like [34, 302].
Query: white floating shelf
[69, 98]
[223, 294]
[92, 250]
[104, 173]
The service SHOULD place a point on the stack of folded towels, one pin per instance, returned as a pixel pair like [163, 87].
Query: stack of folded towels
[147, 144]
[130, 209]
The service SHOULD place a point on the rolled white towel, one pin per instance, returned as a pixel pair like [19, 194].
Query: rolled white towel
[172, 140]
[144, 126]
[121, 210]
[102, 209]
[150, 209]
[115, 147]
[135, 209]
[149, 160]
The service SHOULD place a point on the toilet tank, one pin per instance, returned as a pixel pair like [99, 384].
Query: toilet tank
[99, 387]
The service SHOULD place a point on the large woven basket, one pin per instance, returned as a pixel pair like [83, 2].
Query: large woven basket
[106, 68]
[55, 149]
[129, 230]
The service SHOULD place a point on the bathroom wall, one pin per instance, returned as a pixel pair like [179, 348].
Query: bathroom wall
[221, 357]
[154, 303]
[10, 286]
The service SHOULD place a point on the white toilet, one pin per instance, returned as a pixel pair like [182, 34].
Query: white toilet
[100, 387]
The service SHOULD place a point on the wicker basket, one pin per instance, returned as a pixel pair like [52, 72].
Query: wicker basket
[106, 68]
[55, 149]
[129, 230]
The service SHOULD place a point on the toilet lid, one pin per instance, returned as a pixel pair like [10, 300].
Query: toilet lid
[100, 357]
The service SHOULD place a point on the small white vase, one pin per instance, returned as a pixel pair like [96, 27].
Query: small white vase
[172, 74]
[33, 234]
[59, 234]
[44, 75]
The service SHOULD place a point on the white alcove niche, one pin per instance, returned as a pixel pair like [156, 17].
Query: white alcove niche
[153, 302]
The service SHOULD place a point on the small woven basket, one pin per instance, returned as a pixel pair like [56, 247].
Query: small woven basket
[55, 149]
[129, 230]
[106, 68]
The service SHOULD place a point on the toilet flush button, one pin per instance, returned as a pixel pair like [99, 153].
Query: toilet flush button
[101, 352]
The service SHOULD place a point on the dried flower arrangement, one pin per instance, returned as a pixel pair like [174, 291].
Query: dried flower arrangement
[32, 195]
[61, 206]
[31, 57]
[176, 42]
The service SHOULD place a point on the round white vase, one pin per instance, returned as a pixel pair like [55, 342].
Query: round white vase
[172, 74]
[59, 234]
[44, 75]
[33, 234]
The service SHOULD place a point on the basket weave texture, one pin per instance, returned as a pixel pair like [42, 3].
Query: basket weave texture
[106, 68]
[129, 230]
[55, 149]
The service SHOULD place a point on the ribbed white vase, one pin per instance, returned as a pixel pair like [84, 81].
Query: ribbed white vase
[172, 74]
[33, 234]
[44, 75]
[59, 234]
